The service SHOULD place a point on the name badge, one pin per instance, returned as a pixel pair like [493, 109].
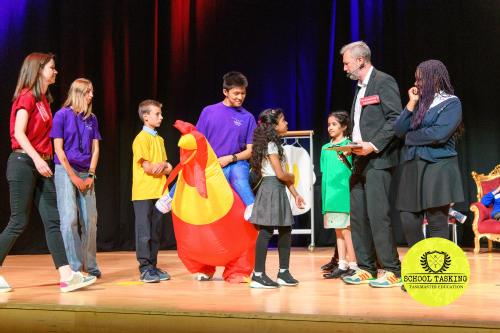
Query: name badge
[44, 114]
[369, 100]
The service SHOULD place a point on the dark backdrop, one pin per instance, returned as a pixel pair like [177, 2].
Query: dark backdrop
[177, 51]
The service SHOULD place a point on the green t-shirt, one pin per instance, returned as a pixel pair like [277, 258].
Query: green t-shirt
[335, 180]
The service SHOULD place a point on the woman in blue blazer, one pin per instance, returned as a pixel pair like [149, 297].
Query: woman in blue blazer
[430, 124]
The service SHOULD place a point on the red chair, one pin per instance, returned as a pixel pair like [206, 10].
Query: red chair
[483, 225]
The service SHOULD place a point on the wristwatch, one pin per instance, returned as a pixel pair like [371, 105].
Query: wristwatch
[92, 175]
[235, 158]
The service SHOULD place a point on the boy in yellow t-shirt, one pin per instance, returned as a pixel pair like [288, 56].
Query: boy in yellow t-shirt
[149, 167]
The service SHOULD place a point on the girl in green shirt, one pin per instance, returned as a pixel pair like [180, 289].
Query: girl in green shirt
[336, 170]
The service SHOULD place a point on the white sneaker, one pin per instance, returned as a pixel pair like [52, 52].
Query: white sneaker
[78, 281]
[248, 212]
[202, 277]
[4, 286]
[164, 204]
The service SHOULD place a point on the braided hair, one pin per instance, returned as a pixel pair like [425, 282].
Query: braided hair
[432, 77]
[263, 134]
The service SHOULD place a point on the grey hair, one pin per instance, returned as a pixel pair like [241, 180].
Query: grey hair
[358, 50]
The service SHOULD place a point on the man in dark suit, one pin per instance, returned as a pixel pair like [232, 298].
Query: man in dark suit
[376, 106]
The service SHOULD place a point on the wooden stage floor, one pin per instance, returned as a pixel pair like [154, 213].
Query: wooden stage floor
[120, 303]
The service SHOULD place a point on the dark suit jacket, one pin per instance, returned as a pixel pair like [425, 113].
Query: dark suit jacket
[376, 122]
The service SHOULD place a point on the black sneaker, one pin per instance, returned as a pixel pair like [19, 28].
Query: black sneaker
[350, 272]
[336, 273]
[150, 276]
[286, 279]
[329, 266]
[263, 281]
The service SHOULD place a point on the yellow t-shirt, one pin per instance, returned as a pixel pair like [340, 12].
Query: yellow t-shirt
[151, 148]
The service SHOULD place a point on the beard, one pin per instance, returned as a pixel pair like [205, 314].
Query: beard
[352, 76]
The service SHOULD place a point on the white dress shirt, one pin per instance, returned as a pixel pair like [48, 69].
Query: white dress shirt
[356, 132]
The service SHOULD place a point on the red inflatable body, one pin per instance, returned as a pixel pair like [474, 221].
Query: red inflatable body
[208, 214]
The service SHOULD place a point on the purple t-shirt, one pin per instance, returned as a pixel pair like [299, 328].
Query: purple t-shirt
[77, 135]
[227, 129]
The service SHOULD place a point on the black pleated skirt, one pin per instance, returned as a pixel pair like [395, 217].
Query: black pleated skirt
[271, 207]
[426, 185]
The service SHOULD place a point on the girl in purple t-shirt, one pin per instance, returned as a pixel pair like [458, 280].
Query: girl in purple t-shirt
[76, 142]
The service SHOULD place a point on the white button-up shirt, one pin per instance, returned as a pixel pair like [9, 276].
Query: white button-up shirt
[356, 132]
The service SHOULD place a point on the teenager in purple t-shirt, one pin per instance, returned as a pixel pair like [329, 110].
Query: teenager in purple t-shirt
[229, 128]
[76, 142]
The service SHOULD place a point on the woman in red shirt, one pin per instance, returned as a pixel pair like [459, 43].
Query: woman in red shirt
[29, 167]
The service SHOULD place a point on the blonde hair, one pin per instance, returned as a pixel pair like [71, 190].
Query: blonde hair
[76, 97]
[29, 75]
[145, 109]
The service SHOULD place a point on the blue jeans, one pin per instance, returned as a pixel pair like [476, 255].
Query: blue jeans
[74, 206]
[237, 175]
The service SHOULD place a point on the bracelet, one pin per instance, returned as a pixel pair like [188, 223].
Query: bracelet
[92, 175]
[235, 158]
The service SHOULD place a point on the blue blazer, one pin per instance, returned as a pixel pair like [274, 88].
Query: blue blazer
[433, 139]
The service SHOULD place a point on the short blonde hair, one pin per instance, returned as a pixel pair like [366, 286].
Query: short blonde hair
[144, 107]
[76, 97]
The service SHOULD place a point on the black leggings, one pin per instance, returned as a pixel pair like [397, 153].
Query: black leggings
[284, 243]
[437, 217]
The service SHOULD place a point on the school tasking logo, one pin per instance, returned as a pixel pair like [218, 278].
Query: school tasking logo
[435, 271]
[237, 122]
[435, 261]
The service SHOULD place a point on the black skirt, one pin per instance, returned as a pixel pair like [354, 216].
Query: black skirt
[426, 185]
[271, 207]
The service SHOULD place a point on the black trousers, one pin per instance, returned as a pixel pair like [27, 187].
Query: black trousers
[148, 221]
[284, 244]
[437, 219]
[27, 186]
[371, 225]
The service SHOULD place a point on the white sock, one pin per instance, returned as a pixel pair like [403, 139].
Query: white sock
[343, 264]
[257, 273]
[353, 265]
[283, 270]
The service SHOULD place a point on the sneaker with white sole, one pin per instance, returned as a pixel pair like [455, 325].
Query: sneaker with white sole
[78, 281]
[164, 276]
[4, 286]
[387, 280]
[286, 279]
[360, 277]
[202, 277]
[150, 275]
[263, 282]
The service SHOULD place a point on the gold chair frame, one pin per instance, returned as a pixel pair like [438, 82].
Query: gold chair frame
[478, 179]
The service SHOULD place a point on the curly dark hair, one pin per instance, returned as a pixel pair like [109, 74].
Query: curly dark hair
[263, 134]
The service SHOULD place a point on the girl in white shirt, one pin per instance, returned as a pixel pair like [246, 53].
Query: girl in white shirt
[272, 208]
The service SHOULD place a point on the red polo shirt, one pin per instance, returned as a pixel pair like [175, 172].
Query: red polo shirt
[39, 122]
